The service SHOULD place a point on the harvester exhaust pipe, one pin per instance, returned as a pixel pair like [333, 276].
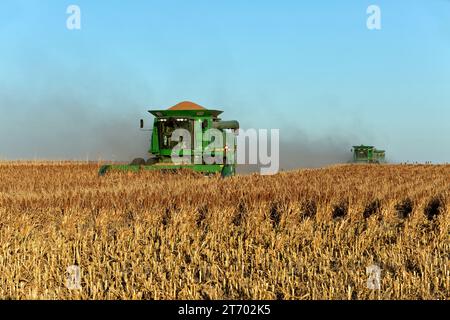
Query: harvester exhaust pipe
[221, 125]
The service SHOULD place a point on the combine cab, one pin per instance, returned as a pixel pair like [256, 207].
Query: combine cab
[189, 148]
[368, 154]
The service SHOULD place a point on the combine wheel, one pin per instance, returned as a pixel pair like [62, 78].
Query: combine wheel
[151, 161]
[138, 162]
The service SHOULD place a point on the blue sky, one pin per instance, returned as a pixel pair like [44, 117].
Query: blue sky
[311, 69]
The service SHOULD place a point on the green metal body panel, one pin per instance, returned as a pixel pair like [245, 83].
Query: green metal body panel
[154, 145]
[197, 122]
[224, 170]
[206, 168]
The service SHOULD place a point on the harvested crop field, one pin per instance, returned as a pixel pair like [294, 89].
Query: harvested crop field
[307, 234]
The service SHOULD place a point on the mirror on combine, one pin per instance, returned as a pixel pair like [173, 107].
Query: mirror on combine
[142, 123]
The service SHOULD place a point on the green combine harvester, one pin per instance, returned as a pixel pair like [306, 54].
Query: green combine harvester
[197, 121]
[368, 154]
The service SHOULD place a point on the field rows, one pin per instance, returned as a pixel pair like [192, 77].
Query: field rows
[307, 234]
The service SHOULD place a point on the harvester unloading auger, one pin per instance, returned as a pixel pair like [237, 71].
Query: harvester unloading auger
[197, 121]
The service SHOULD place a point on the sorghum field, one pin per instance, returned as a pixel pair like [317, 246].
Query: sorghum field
[307, 234]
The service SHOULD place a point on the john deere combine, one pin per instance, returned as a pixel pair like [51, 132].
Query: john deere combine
[187, 136]
[368, 154]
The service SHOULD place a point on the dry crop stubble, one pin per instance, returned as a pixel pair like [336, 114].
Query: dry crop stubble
[307, 234]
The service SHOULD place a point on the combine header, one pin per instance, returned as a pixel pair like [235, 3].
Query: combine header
[196, 122]
[368, 154]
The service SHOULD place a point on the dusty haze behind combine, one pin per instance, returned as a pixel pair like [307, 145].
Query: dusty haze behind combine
[71, 129]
